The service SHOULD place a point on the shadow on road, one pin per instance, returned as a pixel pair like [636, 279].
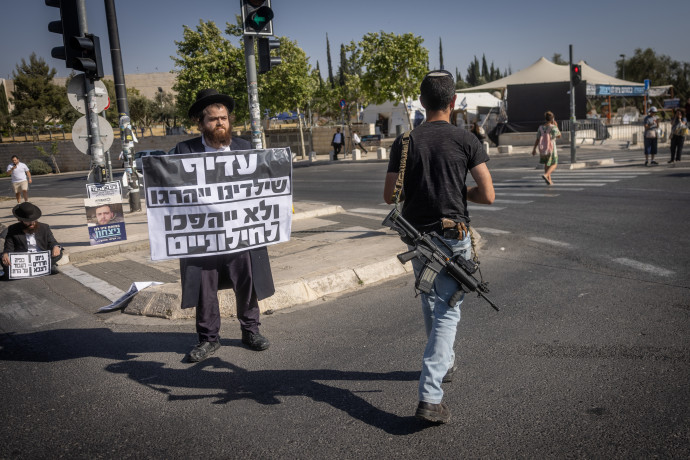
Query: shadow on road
[263, 386]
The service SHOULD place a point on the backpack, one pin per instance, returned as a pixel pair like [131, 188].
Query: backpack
[545, 144]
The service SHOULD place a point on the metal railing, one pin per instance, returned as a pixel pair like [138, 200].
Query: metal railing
[598, 130]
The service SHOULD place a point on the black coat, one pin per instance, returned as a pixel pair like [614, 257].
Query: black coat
[190, 269]
[15, 241]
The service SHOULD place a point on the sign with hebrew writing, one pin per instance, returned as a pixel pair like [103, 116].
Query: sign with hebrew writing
[202, 204]
[105, 217]
[29, 264]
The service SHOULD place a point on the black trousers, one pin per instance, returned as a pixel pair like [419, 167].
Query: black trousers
[676, 147]
[238, 267]
[336, 150]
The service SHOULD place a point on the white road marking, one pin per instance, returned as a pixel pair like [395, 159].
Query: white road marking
[561, 244]
[480, 207]
[492, 231]
[500, 200]
[99, 286]
[528, 194]
[381, 212]
[644, 267]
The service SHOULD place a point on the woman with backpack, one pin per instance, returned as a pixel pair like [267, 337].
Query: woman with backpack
[546, 142]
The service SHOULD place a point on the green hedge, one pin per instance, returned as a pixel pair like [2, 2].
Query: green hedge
[39, 167]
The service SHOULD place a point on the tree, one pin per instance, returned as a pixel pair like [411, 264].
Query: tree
[557, 59]
[485, 69]
[343, 69]
[37, 101]
[206, 59]
[659, 69]
[440, 53]
[164, 108]
[4, 108]
[330, 66]
[394, 66]
[290, 85]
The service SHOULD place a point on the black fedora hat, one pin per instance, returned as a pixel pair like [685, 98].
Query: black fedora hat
[206, 97]
[26, 212]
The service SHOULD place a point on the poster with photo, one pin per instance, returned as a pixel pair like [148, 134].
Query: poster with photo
[105, 217]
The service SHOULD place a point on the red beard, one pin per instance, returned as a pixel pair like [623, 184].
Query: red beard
[218, 135]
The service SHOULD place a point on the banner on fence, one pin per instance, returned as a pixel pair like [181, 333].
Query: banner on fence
[204, 204]
[29, 264]
[105, 217]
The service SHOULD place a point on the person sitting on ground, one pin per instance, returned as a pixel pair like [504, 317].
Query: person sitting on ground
[29, 235]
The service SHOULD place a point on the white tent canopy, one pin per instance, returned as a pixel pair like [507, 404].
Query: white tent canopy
[545, 71]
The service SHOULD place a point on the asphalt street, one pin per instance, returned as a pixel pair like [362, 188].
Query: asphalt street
[588, 357]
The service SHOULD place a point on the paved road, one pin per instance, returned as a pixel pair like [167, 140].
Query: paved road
[589, 356]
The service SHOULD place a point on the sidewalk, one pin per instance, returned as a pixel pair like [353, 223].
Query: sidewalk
[313, 264]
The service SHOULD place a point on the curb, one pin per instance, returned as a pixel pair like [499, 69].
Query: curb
[164, 301]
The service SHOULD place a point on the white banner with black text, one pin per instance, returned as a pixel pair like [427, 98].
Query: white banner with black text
[202, 204]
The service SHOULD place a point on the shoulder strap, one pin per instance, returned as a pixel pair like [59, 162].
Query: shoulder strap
[401, 172]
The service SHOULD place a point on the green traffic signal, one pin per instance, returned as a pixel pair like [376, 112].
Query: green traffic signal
[259, 18]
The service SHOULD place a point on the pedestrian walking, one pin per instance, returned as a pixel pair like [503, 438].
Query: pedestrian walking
[337, 142]
[247, 272]
[546, 142]
[357, 141]
[21, 178]
[679, 129]
[651, 133]
[436, 158]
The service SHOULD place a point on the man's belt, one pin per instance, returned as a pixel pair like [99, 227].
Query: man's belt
[454, 230]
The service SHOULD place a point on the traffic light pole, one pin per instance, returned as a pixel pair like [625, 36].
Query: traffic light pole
[131, 175]
[95, 145]
[573, 121]
[253, 91]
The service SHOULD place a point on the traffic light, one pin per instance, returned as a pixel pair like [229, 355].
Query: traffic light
[87, 58]
[266, 61]
[67, 26]
[257, 17]
[575, 74]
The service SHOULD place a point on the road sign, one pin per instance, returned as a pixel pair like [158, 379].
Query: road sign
[80, 134]
[76, 94]
[342, 103]
[646, 84]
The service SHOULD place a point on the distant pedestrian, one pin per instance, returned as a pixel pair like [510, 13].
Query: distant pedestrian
[478, 131]
[679, 129]
[358, 142]
[337, 143]
[651, 133]
[21, 178]
[546, 141]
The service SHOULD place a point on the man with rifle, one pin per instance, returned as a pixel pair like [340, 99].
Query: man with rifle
[427, 171]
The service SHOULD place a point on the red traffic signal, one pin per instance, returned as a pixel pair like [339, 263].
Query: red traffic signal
[575, 74]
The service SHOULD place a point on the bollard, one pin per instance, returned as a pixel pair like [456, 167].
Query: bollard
[486, 147]
[634, 139]
[356, 154]
[330, 155]
[505, 149]
[381, 153]
[312, 156]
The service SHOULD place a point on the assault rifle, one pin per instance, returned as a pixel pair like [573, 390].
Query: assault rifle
[434, 259]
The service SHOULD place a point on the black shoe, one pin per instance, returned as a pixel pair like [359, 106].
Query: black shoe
[646, 163]
[436, 413]
[54, 270]
[202, 351]
[449, 375]
[669, 161]
[255, 341]
[654, 162]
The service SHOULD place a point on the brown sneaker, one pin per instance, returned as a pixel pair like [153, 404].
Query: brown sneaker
[435, 413]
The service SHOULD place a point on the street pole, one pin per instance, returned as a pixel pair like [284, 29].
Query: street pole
[131, 176]
[573, 128]
[253, 91]
[98, 173]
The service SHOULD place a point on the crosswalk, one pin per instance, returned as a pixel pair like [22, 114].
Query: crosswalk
[529, 187]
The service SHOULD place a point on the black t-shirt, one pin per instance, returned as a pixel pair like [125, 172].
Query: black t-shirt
[438, 159]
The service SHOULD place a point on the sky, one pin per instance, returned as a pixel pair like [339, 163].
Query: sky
[511, 34]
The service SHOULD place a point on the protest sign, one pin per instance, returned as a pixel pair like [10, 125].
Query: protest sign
[29, 264]
[212, 203]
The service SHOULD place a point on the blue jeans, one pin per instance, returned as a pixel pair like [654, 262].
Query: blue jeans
[441, 323]
[650, 146]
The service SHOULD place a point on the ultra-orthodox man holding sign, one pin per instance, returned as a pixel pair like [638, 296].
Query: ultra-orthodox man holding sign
[208, 228]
